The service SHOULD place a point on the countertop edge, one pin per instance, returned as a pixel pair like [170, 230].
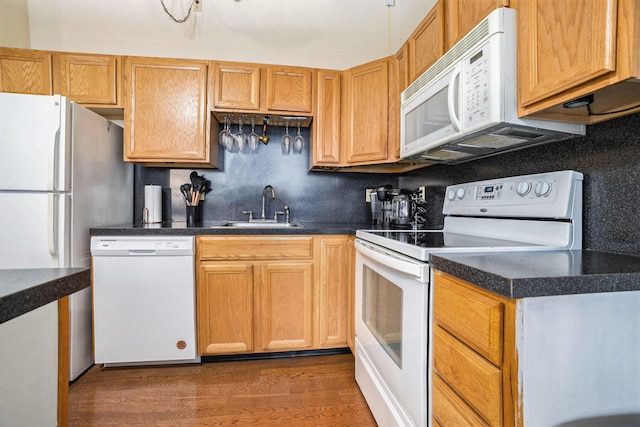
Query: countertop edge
[591, 272]
[37, 292]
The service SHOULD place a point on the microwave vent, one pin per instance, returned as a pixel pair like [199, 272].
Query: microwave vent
[445, 155]
[492, 141]
[453, 55]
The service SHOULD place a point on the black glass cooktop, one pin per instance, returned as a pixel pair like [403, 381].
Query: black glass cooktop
[425, 239]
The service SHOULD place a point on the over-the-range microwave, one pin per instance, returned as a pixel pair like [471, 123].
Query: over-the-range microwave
[465, 105]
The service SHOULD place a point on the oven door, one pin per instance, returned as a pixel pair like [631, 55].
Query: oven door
[392, 317]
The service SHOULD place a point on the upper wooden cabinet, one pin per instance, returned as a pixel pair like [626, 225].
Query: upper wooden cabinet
[261, 88]
[92, 80]
[567, 53]
[289, 88]
[25, 71]
[426, 43]
[326, 149]
[365, 112]
[166, 113]
[462, 15]
[235, 85]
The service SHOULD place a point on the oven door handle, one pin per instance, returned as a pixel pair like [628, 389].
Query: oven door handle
[405, 265]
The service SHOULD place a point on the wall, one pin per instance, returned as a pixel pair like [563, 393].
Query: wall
[609, 158]
[331, 34]
[311, 196]
[14, 23]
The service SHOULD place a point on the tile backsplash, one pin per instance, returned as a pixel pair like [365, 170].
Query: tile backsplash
[608, 156]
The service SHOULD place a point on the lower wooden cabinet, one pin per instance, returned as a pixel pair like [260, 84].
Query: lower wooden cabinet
[271, 293]
[474, 360]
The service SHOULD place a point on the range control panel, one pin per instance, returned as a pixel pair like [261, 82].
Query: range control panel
[544, 195]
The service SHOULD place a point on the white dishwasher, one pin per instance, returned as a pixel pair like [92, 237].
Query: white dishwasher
[144, 300]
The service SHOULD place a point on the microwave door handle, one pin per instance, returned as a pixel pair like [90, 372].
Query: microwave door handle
[451, 95]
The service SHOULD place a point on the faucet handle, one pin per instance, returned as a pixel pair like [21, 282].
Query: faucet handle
[250, 213]
[275, 215]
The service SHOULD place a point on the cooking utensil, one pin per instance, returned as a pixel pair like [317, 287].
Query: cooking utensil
[185, 189]
[264, 138]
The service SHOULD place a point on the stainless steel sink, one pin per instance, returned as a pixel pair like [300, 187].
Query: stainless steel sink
[258, 224]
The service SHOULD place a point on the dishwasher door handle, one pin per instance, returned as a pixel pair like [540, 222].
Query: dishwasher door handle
[140, 252]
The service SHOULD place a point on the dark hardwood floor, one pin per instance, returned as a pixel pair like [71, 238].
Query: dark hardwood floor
[300, 391]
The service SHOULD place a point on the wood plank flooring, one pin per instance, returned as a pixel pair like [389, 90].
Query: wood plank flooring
[300, 391]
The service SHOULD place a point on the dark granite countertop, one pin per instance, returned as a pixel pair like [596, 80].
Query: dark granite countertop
[537, 274]
[23, 290]
[211, 227]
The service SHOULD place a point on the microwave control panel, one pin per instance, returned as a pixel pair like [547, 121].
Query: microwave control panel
[476, 84]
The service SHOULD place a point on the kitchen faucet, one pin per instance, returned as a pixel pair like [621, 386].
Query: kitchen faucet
[264, 192]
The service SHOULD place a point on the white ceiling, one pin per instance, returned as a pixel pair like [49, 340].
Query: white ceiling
[335, 34]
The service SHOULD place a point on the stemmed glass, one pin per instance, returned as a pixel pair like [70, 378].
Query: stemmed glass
[224, 134]
[253, 137]
[286, 139]
[240, 138]
[298, 142]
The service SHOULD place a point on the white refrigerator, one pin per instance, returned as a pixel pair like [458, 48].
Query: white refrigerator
[61, 172]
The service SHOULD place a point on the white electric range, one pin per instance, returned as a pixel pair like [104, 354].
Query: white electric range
[523, 213]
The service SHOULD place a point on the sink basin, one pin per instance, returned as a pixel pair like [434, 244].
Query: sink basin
[258, 224]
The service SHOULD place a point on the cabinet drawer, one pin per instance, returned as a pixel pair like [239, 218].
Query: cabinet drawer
[254, 247]
[476, 380]
[474, 318]
[449, 409]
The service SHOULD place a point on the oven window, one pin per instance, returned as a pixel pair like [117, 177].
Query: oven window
[382, 312]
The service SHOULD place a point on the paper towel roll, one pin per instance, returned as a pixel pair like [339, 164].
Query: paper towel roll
[152, 204]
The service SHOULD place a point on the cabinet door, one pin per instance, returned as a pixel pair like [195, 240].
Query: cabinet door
[326, 123]
[289, 88]
[236, 85]
[563, 44]
[463, 15]
[225, 308]
[88, 79]
[286, 306]
[351, 308]
[365, 115]
[333, 292]
[166, 111]
[426, 44]
[402, 64]
[25, 71]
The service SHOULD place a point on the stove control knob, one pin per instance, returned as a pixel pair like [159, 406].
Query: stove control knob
[451, 195]
[523, 188]
[543, 188]
[460, 193]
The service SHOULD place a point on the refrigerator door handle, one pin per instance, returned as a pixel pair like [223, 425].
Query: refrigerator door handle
[53, 162]
[52, 227]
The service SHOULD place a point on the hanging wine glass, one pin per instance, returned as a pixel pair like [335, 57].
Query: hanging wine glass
[229, 143]
[224, 134]
[298, 142]
[253, 137]
[286, 139]
[240, 138]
